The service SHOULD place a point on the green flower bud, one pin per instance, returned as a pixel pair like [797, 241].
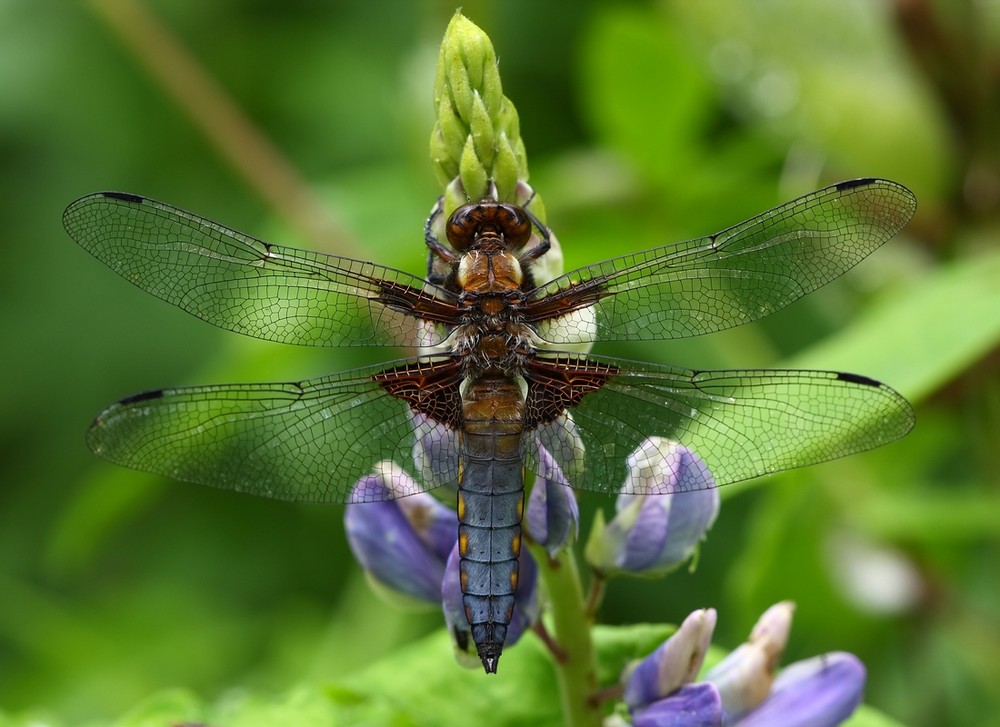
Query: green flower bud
[476, 139]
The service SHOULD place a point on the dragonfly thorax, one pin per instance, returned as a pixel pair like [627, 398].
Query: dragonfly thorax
[505, 350]
[489, 269]
[492, 330]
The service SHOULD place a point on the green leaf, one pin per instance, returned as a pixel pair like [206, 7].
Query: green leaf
[645, 89]
[923, 335]
[300, 706]
[618, 645]
[423, 685]
[867, 716]
[171, 706]
[426, 683]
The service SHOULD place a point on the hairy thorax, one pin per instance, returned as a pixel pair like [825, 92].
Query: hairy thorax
[492, 336]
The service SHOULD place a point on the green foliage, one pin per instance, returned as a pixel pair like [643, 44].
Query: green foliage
[445, 695]
[645, 123]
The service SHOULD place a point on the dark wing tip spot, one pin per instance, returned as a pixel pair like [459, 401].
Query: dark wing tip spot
[142, 396]
[853, 183]
[858, 379]
[124, 197]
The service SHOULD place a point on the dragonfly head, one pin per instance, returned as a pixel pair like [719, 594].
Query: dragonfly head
[472, 223]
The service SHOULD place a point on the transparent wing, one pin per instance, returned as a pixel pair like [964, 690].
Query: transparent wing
[742, 423]
[727, 279]
[242, 284]
[305, 442]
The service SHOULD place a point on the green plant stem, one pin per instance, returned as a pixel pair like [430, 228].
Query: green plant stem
[576, 665]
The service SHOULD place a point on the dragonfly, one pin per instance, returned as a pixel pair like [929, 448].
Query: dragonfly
[498, 387]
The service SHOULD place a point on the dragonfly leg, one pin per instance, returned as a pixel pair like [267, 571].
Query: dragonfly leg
[435, 245]
[542, 247]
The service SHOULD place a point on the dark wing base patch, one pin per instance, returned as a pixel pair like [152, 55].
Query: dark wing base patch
[557, 384]
[429, 388]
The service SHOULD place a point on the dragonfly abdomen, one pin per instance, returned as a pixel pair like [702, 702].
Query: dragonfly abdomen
[490, 505]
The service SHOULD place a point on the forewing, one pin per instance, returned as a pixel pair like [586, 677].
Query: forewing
[304, 442]
[727, 279]
[242, 284]
[741, 423]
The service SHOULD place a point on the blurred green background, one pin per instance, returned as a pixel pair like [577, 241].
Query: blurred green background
[645, 123]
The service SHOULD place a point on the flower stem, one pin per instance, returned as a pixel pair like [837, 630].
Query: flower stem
[576, 671]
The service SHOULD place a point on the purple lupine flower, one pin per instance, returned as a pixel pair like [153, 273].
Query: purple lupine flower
[745, 676]
[526, 607]
[674, 663]
[693, 705]
[561, 440]
[653, 534]
[819, 692]
[741, 690]
[402, 544]
[552, 516]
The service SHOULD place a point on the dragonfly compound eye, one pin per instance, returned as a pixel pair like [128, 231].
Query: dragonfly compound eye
[473, 221]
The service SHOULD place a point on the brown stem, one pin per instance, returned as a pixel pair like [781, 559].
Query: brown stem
[608, 694]
[595, 594]
[963, 71]
[219, 118]
[558, 653]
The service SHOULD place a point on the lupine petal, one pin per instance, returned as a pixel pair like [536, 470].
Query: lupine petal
[662, 465]
[674, 663]
[693, 705]
[653, 534]
[773, 627]
[645, 522]
[552, 516]
[433, 522]
[387, 546]
[692, 515]
[818, 692]
[745, 676]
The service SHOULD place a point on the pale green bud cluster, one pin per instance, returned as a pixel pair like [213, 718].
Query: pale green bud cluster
[476, 145]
